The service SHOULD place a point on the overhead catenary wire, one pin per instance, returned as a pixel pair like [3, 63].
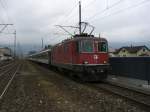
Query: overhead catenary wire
[89, 4]
[65, 17]
[71, 11]
[123, 10]
[4, 7]
[83, 8]
[104, 10]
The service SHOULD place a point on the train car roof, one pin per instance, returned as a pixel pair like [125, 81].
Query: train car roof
[41, 52]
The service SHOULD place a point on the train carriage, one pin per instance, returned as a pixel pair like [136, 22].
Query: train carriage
[41, 57]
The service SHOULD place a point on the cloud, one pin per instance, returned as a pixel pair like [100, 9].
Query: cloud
[35, 19]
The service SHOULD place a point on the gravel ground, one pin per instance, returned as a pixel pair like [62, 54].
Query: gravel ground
[37, 89]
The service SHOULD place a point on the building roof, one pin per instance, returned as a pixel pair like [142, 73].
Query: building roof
[4, 48]
[111, 50]
[132, 49]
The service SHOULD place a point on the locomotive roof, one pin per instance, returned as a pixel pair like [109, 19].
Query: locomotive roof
[82, 37]
[89, 38]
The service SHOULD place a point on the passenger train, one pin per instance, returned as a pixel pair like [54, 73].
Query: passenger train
[84, 55]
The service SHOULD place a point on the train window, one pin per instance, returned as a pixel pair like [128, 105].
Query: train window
[102, 47]
[86, 46]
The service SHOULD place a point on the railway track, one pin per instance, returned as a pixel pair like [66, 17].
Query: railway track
[137, 97]
[7, 75]
[134, 95]
[4, 63]
[5, 67]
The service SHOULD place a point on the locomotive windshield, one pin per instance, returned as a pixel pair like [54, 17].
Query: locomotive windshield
[85, 46]
[102, 47]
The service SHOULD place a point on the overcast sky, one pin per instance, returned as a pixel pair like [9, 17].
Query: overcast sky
[122, 20]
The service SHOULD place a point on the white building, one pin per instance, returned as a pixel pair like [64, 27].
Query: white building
[133, 51]
[5, 53]
[111, 52]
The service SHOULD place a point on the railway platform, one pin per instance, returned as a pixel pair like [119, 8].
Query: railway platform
[136, 84]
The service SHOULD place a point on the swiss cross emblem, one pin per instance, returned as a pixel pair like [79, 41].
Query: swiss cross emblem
[95, 56]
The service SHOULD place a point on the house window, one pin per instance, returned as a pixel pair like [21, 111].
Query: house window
[124, 50]
[143, 50]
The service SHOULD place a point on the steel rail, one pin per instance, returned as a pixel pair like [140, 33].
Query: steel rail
[130, 88]
[2, 63]
[9, 82]
[6, 71]
[125, 94]
[6, 65]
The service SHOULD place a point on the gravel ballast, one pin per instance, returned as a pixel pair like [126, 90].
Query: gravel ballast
[36, 89]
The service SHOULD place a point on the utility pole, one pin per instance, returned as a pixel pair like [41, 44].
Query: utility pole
[80, 17]
[5, 25]
[42, 42]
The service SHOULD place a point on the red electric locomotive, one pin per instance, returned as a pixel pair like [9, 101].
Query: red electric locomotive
[85, 55]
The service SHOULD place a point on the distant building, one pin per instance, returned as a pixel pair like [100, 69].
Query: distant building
[31, 52]
[5, 53]
[111, 52]
[133, 51]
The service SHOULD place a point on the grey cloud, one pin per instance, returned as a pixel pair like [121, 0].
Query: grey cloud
[34, 19]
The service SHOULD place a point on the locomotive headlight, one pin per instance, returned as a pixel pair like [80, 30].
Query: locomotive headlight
[105, 62]
[86, 62]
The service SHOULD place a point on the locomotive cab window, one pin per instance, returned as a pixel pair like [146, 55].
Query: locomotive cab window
[102, 47]
[86, 46]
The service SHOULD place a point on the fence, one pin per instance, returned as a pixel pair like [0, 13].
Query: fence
[134, 67]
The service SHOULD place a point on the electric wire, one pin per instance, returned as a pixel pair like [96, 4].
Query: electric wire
[10, 18]
[104, 10]
[89, 4]
[71, 11]
[4, 7]
[76, 7]
[123, 10]
[66, 16]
